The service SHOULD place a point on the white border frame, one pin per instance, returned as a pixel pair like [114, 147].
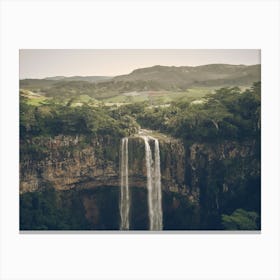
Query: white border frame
[155, 24]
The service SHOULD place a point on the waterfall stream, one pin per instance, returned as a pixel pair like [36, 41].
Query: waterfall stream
[149, 164]
[125, 198]
[158, 199]
[153, 183]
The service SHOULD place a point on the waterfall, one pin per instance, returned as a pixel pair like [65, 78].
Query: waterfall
[153, 183]
[158, 200]
[149, 163]
[125, 200]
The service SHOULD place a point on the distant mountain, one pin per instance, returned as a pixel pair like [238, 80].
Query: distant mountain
[46, 83]
[36, 84]
[205, 75]
[55, 78]
[91, 79]
[156, 78]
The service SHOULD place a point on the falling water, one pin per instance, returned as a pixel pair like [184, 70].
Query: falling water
[153, 184]
[158, 207]
[125, 201]
[149, 163]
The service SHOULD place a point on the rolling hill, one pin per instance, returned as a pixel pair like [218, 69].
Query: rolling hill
[155, 78]
[205, 75]
[91, 79]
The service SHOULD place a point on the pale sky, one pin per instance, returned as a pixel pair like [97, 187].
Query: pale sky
[41, 63]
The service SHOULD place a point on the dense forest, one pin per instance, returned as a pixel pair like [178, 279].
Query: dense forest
[227, 114]
[228, 187]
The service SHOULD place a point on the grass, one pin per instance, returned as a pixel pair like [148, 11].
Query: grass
[161, 97]
[84, 98]
[154, 97]
[126, 99]
[36, 101]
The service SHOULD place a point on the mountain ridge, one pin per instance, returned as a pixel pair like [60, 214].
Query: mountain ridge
[79, 78]
[101, 77]
[184, 76]
[155, 78]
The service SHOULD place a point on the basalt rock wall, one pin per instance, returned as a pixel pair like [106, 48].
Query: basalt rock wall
[68, 162]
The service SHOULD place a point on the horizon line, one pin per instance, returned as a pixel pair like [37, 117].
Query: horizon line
[83, 76]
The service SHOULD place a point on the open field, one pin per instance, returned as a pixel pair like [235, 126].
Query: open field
[153, 97]
[161, 97]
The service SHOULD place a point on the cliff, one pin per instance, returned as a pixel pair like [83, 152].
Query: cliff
[200, 181]
[223, 177]
[69, 162]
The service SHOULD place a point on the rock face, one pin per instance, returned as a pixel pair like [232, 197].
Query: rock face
[172, 161]
[69, 162]
[210, 176]
[223, 177]
[200, 181]
[220, 163]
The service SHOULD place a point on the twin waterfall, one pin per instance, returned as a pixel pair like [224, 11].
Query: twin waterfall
[153, 184]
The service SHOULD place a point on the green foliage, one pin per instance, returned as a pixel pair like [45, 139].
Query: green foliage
[228, 114]
[240, 220]
[52, 210]
[53, 119]
[101, 90]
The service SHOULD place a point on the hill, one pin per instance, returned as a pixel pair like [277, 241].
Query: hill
[42, 84]
[91, 79]
[146, 81]
[205, 75]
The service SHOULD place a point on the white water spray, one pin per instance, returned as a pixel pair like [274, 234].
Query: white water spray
[153, 184]
[125, 197]
[158, 199]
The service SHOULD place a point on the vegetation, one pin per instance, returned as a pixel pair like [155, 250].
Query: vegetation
[241, 220]
[67, 210]
[52, 119]
[52, 210]
[228, 114]
[173, 80]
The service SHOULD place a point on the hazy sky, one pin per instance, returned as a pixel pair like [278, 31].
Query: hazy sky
[41, 63]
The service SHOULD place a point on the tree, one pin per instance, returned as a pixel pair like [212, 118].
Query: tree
[240, 220]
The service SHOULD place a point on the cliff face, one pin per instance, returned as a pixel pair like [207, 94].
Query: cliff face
[66, 162]
[223, 163]
[76, 162]
[223, 177]
[200, 181]
[172, 160]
